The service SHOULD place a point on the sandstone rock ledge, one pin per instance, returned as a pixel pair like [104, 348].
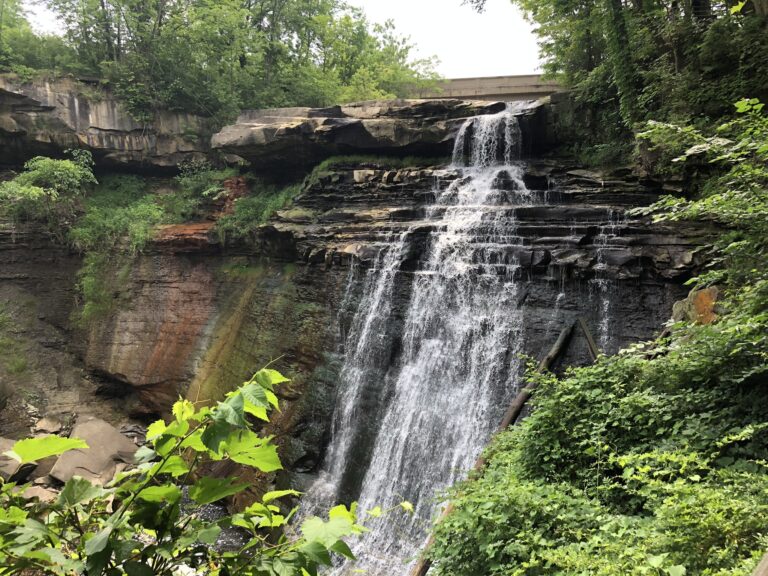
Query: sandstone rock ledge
[298, 138]
[47, 117]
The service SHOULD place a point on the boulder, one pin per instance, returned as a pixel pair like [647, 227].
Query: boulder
[701, 306]
[107, 450]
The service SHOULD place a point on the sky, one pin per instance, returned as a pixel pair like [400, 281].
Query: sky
[498, 42]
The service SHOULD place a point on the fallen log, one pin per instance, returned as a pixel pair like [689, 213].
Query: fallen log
[594, 351]
[423, 565]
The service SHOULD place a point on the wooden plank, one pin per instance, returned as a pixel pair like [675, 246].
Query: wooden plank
[423, 565]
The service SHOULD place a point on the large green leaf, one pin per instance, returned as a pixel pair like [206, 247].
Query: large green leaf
[34, 449]
[137, 569]
[231, 410]
[246, 447]
[98, 542]
[166, 493]
[78, 490]
[208, 490]
[269, 378]
[327, 533]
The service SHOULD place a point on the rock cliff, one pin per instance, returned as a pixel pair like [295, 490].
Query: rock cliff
[195, 317]
[48, 117]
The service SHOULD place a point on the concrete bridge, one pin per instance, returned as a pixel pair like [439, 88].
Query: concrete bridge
[505, 88]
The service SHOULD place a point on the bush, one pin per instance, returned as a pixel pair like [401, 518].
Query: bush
[252, 211]
[49, 191]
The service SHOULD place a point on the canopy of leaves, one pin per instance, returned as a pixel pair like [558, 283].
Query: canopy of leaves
[634, 60]
[215, 58]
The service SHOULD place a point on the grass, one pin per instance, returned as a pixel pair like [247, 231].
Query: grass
[252, 211]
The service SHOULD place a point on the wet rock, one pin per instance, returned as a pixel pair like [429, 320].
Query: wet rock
[108, 451]
[270, 138]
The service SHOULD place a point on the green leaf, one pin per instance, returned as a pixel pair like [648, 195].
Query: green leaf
[269, 378]
[78, 490]
[676, 570]
[317, 552]
[166, 493]
[208, 490]
[246, 447]
[327, 533]
[375, 512]
[214, 435]
[274, 495]
[342, 548]
[137, 569]
[183, 409]
[407, 506]
[231, 411]
[98, 542]
[175, 466]
[34, 449]
[156, 429]
[209, 535]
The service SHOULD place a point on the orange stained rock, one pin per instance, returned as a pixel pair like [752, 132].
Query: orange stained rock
[704, 302]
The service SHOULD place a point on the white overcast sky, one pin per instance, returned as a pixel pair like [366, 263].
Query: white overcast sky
[497, 42]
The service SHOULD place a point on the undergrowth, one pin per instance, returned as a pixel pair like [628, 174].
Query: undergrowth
[254, 210]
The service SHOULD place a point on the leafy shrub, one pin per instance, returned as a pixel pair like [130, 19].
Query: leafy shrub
[254, 210]
[49, 191]
[137, 524]
[198, 183]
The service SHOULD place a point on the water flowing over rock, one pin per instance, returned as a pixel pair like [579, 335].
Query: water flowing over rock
[444, 311]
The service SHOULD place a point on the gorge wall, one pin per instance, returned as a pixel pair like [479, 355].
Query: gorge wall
[347, 259]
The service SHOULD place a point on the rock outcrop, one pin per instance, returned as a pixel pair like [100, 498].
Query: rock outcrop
[108, 452]
[286, 139]
[48, 117]
[192, 316]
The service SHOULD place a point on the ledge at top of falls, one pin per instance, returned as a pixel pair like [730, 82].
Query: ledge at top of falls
[48, 116]
[290, 138]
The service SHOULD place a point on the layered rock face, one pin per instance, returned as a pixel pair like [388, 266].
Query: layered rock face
[48, 117]
[194, 317]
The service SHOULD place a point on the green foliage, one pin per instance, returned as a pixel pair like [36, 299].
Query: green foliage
[650, 59]
[137, 525]
[654, 461]
[252, 211]
[34, 449]
[198, 183]
[215, 58]
[49, 191]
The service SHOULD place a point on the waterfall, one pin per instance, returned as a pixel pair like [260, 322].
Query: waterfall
[431, 356]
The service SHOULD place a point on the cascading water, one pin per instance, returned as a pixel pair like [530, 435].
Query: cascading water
[604, 286]
[417, 402]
